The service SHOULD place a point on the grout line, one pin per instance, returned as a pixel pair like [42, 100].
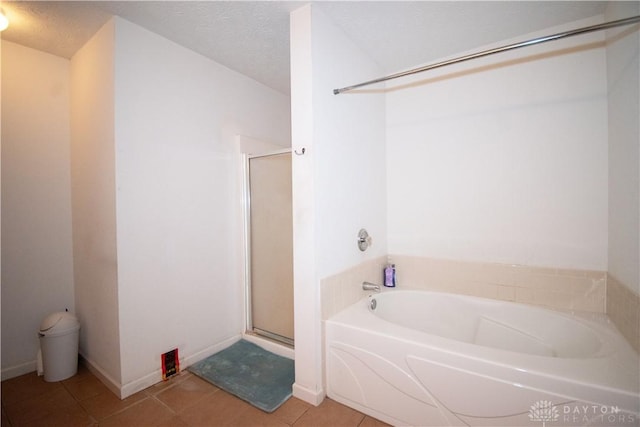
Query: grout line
[93, 419]
[164, 404]
[144, 395]
[119, 411]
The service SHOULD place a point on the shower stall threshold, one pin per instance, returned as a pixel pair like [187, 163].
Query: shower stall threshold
[270, 344]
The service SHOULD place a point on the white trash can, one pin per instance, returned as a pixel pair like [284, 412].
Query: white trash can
[59, 345]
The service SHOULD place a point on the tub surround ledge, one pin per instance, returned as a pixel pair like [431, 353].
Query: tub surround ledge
[556, 288]
[623, 308]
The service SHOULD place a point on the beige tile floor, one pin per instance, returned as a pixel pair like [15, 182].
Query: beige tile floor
[184, 400]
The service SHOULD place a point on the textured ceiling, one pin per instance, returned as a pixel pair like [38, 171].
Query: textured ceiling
[405, 34]
[60, 28]
[252, 37]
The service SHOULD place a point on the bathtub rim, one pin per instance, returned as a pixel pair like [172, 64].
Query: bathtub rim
[586, 323]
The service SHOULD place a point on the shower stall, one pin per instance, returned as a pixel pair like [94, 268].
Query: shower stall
[269, 246]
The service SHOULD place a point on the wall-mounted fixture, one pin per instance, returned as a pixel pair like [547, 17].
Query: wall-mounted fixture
[364, 240]
[4, 22]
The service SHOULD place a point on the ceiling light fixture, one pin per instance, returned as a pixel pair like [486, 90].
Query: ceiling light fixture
[4, 22]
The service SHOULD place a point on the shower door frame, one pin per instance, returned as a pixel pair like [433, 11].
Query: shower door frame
[248, 302]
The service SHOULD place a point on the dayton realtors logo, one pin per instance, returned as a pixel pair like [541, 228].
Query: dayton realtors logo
[579, 414]
[543, 410]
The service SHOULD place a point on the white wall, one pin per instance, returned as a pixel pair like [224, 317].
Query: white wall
[623, 76]
[94, 203]
[339, 183]
[177, 115]
[152, 181]
[503, 159]
[308, 375]
[349, 150]
[37, 273]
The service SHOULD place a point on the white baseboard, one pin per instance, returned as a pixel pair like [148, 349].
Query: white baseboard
[203, 354]
[125, 390]
[155, 377]
[314, 397]
[21, 369]
[132, 387]
[105, 378]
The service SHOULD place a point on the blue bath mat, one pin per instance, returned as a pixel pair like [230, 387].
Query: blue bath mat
[251, 373]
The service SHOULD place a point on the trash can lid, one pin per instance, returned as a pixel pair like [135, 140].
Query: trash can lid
[58, 322]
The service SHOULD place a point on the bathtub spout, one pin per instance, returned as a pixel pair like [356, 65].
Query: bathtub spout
[368, 286]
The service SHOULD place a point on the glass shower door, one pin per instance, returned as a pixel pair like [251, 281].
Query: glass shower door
[271, 246]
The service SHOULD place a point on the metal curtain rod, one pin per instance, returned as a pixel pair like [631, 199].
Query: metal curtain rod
[599, 27]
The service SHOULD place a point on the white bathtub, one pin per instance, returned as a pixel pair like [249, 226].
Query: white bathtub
[429, 358]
